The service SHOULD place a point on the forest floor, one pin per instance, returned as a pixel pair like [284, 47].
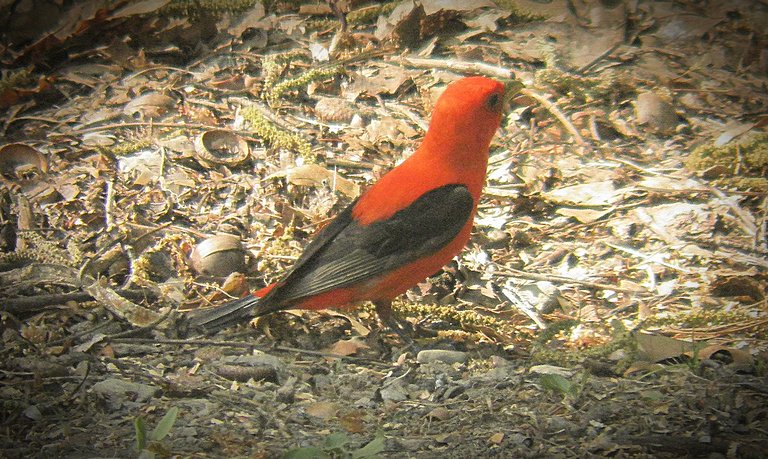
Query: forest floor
[161, 156]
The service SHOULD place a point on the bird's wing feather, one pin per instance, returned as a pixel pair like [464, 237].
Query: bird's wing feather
[346, 252]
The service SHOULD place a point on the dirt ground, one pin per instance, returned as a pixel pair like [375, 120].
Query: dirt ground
[161, 156]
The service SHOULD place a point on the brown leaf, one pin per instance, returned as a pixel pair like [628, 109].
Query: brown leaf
[439, 413]
[655, 112]
[316, 175]
[347, 347]
[656, 348]
[322, 410]
[496, 438]
[150, 105]
[727, 355]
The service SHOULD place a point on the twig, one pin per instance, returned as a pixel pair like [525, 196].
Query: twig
[518, 302]
[648, 258]
[107, 127]
[510, 272]
[459, 66]
[34, 303]
[98, 327]
[583, 69]
[549, 105]
[136, 331]
[416, 119]
[109, 205]
[743, 217]
[239, 344]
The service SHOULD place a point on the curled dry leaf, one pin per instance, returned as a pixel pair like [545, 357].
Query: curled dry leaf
[727, 355]
[335, 110]
[151, 105]
[658, 348]
[322, 410]
[136, 315]
[17, 159]
[316, 175]
[439, 413]
[218, 256]
[347, 347]
[656, 113]
[221, 147]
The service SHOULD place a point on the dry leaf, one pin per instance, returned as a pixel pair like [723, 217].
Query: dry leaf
[347, 347]
[322, 410]
[655, 112]
[497, 438]
[727, 355]
[150, 105]
[317, 176]
[586, 194]
[439, 413]
[657, 348]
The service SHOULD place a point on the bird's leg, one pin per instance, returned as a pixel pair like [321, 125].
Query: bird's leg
[387, 317]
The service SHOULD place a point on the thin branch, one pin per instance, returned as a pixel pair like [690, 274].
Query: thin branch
[458, 66]
[509, 272]
[557, 113]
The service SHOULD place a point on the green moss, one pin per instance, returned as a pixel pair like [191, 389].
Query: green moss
[697, 318]
[583, 89]
[746, 161]
[370, 14]
[206, 8]
[125, 147]
[519, 15]
[12, 79]
[274, 65]
[281, 76]
[275, 136]
[320, 24]
[39, 249]
[277, 91]
[554, 329]
[468, 319]
[566, 357]
[746, 183]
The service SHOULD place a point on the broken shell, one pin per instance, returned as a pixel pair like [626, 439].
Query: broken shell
[218, 256]
[221, 147]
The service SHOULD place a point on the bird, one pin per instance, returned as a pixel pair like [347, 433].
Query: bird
[403, 229]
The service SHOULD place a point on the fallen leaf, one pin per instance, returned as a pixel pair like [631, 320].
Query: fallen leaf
[439, 413]
[322, 410]
[586, 194]
[347, 347]
[496, 438]
[657, 348]
[316, 175]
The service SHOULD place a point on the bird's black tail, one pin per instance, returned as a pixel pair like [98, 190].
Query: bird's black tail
[231, 313]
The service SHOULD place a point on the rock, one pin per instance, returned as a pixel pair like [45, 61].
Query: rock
[440, 355]
[550, 370]
[393, 393]
[118, 391]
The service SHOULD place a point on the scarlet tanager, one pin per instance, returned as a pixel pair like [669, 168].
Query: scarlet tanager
[402, 230]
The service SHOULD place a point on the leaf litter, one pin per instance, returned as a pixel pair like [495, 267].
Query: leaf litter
[618, 263]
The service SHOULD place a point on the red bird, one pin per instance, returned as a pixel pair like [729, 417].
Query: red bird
[403, 229]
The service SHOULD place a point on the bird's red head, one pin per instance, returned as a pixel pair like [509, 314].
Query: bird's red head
[465, 119]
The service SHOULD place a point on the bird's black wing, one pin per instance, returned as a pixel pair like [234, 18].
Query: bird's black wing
[346, 252]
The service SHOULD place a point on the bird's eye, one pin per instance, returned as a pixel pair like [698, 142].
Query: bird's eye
[493, 102]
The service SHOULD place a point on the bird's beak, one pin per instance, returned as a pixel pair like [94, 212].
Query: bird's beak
[511, 89]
